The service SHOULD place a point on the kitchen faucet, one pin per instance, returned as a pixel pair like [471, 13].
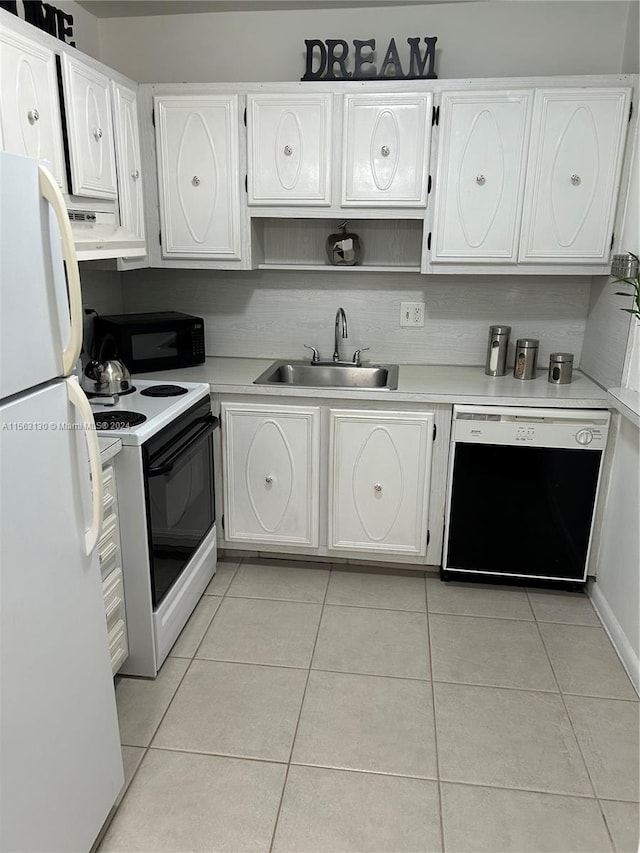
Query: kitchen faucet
[341, 319]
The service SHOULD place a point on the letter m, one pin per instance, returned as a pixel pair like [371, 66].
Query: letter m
[422, 67]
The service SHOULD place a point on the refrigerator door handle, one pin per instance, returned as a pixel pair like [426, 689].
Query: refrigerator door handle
[78, 399]
[51, 192]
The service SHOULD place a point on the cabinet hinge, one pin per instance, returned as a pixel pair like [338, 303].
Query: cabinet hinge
[246, 183]
[435, 116]
[435, 431]
[153, 117]
[244, 117]
[613, 236]
[630, 110]
[160, 236]
[429, 185]
[222, 523]
[429, 240]
[428, 537]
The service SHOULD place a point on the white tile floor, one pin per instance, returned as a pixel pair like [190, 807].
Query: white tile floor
[310, 709]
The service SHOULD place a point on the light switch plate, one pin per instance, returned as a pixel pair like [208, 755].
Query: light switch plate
[412, 313]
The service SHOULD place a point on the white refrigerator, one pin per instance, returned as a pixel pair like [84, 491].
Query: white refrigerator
[60, 757]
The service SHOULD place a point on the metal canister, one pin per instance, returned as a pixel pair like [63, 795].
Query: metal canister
[560, 368]
[526, 358]
[497, 346]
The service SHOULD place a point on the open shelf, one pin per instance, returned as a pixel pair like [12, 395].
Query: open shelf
[387, 245]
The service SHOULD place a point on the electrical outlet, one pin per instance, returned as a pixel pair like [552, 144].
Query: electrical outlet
[412, 313]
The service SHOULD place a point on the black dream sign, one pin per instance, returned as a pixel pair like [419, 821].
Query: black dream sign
[45, 17]
[329, 60]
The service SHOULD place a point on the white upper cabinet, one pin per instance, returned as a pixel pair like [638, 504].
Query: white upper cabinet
[379, 481]
[125, 120]
[289, 144]
[271, 470]
[29, 107]
[386, 150]
[89, 129]
[480, 176]
[198, 172]
[573, 175]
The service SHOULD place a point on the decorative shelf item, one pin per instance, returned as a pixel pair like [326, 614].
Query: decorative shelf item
[343, 247]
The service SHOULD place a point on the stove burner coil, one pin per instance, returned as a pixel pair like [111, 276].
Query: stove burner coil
[118, 420]
[91, 395]
[164, 391]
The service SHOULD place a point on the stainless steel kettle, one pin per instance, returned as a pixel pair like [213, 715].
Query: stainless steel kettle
[107, 378]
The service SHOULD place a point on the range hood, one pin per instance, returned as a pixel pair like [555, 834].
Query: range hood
[98, 234]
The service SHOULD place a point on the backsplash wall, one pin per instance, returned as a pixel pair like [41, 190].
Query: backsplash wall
[271, 314]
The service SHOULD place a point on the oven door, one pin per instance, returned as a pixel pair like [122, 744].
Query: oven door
[180, 495]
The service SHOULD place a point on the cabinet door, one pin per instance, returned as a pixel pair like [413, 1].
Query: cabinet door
[573, 175]
[386, 154]
[197, 142]
[379, 481]
[480, 177]
[29, 107]
[125, 122]
[289, 140]
[89, 129]
[271, 461]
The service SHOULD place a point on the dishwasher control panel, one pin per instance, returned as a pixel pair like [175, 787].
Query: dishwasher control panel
[581, 429]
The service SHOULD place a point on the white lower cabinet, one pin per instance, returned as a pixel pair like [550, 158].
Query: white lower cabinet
[271, 465]
[379, 481]
[323, 481]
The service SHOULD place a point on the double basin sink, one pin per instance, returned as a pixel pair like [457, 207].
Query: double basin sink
[306, 374]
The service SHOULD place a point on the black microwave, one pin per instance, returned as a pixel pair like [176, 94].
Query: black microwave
[160, 340]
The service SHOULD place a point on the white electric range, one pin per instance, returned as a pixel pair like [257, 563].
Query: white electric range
[165, 482]
[159, 403]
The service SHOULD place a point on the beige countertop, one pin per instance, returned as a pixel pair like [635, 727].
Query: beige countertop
[416, 384]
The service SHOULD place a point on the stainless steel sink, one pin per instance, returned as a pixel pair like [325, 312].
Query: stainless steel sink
[328, 375]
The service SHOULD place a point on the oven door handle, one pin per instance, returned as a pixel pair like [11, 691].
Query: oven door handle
[166, 467]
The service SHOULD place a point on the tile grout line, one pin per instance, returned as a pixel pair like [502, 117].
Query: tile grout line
[575, 734]
[155, 731]
[295, 731]
[328, 603]
[435, 722]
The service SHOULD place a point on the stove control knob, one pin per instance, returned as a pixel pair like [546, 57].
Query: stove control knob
[584, 436]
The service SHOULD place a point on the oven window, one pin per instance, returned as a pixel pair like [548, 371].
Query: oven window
[522, 510]
[180, 511]
[154, 345]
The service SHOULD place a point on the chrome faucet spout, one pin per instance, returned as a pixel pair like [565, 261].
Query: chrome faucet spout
[341, 321]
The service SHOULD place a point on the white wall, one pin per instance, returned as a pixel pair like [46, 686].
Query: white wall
[492, 39]
[616, 592]
[630, 58]
[269, 314]
[86, 33]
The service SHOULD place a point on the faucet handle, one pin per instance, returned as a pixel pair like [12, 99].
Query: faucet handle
[356, 355]
[316, 355]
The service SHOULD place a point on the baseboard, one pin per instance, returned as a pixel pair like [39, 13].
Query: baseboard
[621, 644]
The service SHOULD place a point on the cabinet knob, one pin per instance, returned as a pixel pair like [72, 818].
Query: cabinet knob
[481, 180]
[195, 180]
[377, 487]
[268, 480]
[135, 174]
[33, 116]
[288, 150]
[576, 180]
[97, 134]
[385, 151]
